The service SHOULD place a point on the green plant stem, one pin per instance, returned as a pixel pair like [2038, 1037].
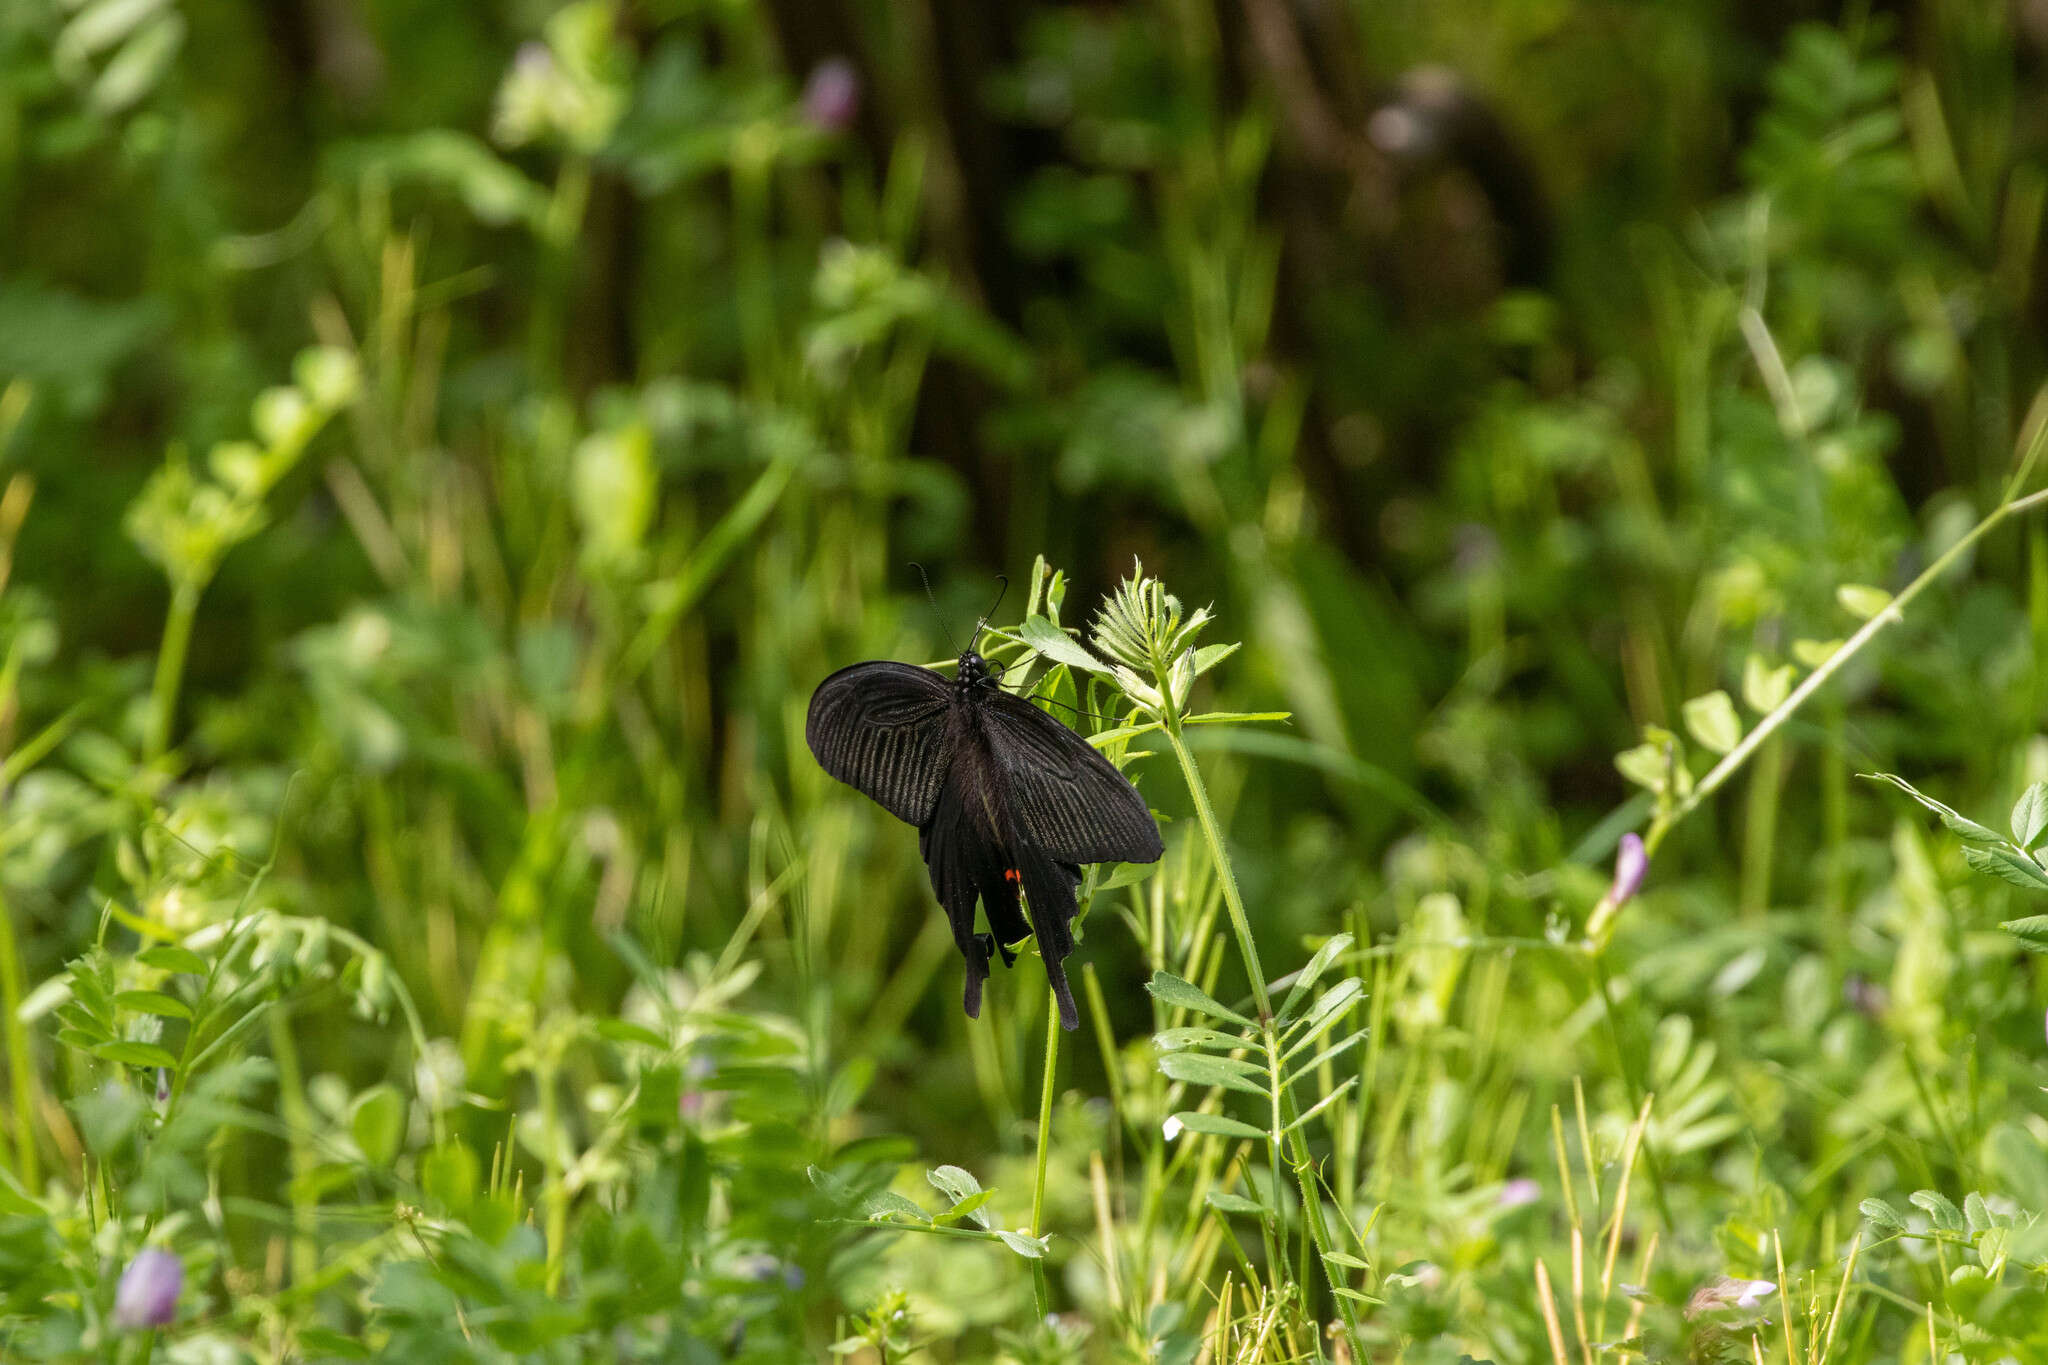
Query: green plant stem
[1039, 1283]
[170, 667]
[1297, 1145]
[299, 1123]
[1894, 611]
[21, 1081]
[1233, 900]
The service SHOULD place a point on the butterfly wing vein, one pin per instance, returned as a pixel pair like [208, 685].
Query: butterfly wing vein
[1072, 801]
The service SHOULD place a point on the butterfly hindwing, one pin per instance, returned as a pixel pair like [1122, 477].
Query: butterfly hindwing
[881, 728]
[961, 864]
[1070, 800]
[1049, 894]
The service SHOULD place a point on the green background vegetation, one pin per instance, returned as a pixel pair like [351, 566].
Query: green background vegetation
[442, 445]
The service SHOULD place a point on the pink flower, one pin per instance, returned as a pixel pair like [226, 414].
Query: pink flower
[148, 1293]
[832, 95]
[1631, 865]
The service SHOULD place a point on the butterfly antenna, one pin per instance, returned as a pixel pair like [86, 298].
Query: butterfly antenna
[941, 616]
[982, 624]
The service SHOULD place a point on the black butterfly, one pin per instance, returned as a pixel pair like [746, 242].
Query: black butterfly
[1005, 799]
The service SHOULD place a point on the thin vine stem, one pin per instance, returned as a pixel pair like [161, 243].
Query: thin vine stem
[1894, 611]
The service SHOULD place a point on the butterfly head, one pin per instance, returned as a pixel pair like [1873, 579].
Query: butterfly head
[974, 672]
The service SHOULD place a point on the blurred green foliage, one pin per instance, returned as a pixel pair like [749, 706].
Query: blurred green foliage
[442, 445]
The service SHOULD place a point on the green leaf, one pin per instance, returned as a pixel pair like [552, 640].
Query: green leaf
[970, 1207]
[1202, 1068]
[1031, 1248]
[378, 1124]
[1814, 653]
[1883, 1214]
[2032, 932]
[1186, 995]
[1763, 687]
[1861, 600]
[1175, 1039]
[1712, 721]
[1329, 1053]
[1956, 822]
[1345, 1259]
[1216, 1125]
[2030, 815]
[315, 1342]
[953, 1182]
[883, 1203]
[1237, 1203]
[1324, 1103]
[169, 957]
[2004, 861]
[134, 1054]
[153, 1002]
[1939, 1207]
[1208, 656]
[1306, 978]
[1976, 1212]
[1646, 765]
[1126, 874]
[1327, 1011]
[135, 70]
[1055, 644]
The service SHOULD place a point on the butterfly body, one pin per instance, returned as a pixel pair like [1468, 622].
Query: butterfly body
[1006, 800]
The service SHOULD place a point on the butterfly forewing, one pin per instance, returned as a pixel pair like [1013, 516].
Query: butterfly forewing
[1072, 801]
[881, 729]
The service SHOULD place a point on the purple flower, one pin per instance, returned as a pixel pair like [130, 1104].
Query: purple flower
[832, 95]
[148, 1293]
[1518, 1192]
[1631, 865]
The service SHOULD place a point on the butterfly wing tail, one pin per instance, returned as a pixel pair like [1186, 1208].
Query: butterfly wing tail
[951, 855]
[1049, 894]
